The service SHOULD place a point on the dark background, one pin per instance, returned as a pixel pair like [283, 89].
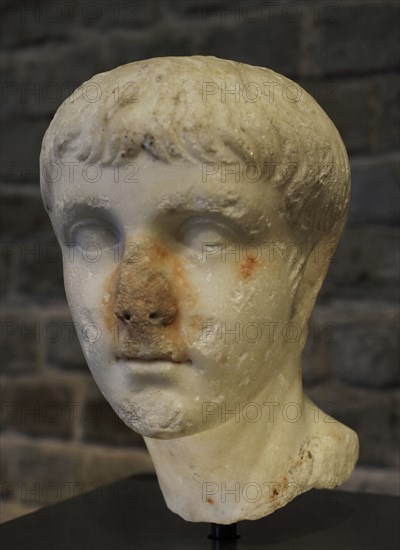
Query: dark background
[59, 436]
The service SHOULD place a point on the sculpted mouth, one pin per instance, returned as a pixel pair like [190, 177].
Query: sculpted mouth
[152, 359]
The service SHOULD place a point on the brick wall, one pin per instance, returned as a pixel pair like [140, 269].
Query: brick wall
[59, 436]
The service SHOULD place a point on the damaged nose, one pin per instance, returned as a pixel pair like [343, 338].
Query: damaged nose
[144, 298]
[143, 310]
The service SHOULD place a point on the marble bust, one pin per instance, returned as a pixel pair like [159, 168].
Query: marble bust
[198, 202]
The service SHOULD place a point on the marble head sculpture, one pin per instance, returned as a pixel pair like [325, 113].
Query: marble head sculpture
[198, 202]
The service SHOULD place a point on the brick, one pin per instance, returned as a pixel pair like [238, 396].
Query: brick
[20, 158]
[34, 262]
[375, 196]
[352, 310]
[366, 351]
[315, 360]
[7, 272]
[5, 489]
[125, 47]
[370, 413]
[388, 102]
[348, 104]
[257, 43]
[31, 23]
[101, 466]
[199, 8]
[28, 88]
[367, 257]
[358, 37]
[229, 12]
[36, 89]
[22, 211]
[356, 341]
[40, 272]
[47, 21]
[62, 347]
[100, 424]
[39, 406]
[168, 43]
[42, 472]
[20, 342]
[104, 14]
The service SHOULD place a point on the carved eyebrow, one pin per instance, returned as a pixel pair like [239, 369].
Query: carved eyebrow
[73, 211]
[199, 204]
[89, 203]
[252, 221]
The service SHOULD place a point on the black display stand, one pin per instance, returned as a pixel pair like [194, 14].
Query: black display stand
[131, 514]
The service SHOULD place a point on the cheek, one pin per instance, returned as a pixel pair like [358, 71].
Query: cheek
[108, 301]
[83, 284]
[249, 266]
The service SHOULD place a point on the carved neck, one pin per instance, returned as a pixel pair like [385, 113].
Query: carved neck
[256, 461]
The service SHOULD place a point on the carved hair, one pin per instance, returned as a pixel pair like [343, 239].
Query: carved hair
[205, 109]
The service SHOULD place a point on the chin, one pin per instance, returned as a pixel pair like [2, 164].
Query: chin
[154, 430]
[164, 419]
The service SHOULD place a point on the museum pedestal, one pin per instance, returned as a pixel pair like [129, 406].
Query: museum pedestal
[131, 513]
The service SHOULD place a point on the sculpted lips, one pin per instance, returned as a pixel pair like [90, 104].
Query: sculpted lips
[152, 369]
[153, 359]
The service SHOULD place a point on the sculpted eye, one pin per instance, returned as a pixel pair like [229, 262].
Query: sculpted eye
[198, 233]
[93, 234]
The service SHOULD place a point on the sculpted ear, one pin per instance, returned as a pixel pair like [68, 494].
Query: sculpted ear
[312, 277]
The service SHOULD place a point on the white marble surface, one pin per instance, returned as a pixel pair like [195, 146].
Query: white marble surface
[148, 188]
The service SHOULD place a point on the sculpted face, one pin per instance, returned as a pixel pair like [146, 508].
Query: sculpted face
[197, 227]
[180, 283]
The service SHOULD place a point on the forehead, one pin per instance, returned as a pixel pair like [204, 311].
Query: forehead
[144, 185]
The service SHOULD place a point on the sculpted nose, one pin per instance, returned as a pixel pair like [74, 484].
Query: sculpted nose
[144, 297]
